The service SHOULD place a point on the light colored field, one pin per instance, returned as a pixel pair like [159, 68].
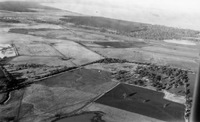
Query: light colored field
[49, 61]
[175, 52]
[113, 67]
[8, 38]
[68, 34]
[182, 42]
[10, 52]
[39, 26]
[36, 49]
[117, 115]
[75, 35]
[174, 98]
[139, 55]
[130, 54]
[78, 53]
[6, 51]
[4, 46]
[4, 29]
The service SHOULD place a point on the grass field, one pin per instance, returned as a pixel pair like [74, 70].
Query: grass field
[9, 110]
[87, 80]
[64, 90]
[46, 98]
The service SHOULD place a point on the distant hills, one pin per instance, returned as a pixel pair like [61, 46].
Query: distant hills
[132, 29]
[22, 6]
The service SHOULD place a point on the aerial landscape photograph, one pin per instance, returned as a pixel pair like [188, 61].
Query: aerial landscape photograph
[99, 60]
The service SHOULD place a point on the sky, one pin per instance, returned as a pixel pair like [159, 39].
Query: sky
[175, 13]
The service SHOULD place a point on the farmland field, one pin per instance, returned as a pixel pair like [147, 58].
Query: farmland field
[87, 80]
[61, 64]
[37, 49]
[75, 51]
[118, 115]
[154, 105]
[50, 61]
[121, 44]
[158, 57]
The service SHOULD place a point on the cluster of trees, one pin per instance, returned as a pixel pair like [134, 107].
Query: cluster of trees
[128, 77]
[114, 60]
[9, 20]
[157, 32]
[27, 66]
[160, 77]
[122, 75]
[111, 60]
[13, 81]
[56, 71]
[26, 31]
[58, 22]
[188, 106]
[164, 77]
[9, 81]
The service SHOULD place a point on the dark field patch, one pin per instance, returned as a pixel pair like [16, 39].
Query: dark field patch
[26, 31]
[81, 79]
[86, 117]
[121, 44]
[101, 22]
[9, 20]
[80, 118]
[22, 6]
[143, 101]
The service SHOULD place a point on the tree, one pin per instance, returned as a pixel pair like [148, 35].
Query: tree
[124, 95]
